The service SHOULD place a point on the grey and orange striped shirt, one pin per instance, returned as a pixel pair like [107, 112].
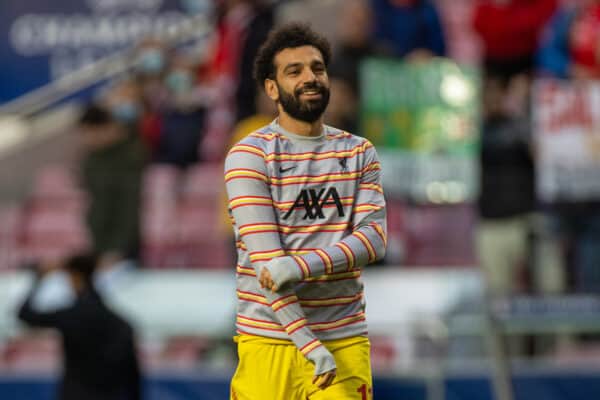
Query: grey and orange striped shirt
[319, 202]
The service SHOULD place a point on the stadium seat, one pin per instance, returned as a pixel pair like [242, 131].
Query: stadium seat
[35, 352]
[10, 217]
[203, 181]
[428, 240]
[57, 184]
[52, 218]
[159, 183]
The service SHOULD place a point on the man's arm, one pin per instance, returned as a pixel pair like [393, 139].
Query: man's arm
[54, 319]
[252, 206]
[366, 243]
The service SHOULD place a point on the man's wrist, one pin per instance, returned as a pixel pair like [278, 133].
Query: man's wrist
[284, 270]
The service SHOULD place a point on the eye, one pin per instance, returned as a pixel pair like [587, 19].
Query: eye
[318, 69]
[293, 72]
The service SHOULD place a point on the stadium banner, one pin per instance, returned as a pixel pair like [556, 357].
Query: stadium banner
[44, 40]
[424, 120]
[567, 137]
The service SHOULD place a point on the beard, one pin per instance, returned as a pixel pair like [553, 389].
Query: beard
[304, 110]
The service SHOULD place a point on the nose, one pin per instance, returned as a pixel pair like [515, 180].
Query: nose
[309, 75]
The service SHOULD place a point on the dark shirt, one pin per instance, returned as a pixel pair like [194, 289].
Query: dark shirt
[507, 169]
[247, 90]
[180, 137]
[113, 178]
[346, 63]
[100, 360]
[411, 27]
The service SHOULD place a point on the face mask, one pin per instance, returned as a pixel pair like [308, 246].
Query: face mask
[194, 7]
[150, 61]
[125, 112]
[179, 82]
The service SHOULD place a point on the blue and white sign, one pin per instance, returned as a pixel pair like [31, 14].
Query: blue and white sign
[42, 41]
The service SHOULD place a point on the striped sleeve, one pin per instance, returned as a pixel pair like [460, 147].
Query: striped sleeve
[251, 205]
[366, 244]
[368, 241]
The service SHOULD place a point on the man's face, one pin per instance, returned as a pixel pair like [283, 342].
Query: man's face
[301, 85]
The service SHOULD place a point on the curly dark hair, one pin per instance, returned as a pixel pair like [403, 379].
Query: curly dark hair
[287, 36]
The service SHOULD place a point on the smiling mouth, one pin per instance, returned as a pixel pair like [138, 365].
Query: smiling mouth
[311, 93]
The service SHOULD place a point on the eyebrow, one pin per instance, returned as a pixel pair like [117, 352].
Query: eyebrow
[293, 65]
[299, 64]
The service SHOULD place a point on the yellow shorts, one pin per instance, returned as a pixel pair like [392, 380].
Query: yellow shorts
[273, 369]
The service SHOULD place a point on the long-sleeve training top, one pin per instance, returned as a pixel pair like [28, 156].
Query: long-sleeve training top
[318, 202]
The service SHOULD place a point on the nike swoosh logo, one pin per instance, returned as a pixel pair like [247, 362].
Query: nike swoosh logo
[283, 170]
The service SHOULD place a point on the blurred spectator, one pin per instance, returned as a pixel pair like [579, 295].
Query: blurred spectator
[354, 45]
[111, 171]
[317, 13]
[571, 49]
[182, 116]
[577, 228]
[234, 18]
[261, 23]
[410, 28]
[342, 111]
[354, 42]
[123, 100]
[509, 31]
[100, 361]
[507, 196]
[149, 68]
[571, 44]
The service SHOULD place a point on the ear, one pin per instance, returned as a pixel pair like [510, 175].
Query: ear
[271, 89]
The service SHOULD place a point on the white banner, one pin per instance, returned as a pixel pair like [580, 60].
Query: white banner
[567, 136]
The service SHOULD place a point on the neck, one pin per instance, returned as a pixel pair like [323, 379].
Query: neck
[298, 127]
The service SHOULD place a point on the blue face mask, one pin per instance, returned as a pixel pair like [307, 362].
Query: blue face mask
[179, 82]
[125, 112]
[194, 7]
[151, 61]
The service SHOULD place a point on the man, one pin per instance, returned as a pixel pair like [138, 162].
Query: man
[99, 352]
[111, 174]
[308, 213]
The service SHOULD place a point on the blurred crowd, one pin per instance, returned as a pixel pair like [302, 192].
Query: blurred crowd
[182, 108]
[179, 109]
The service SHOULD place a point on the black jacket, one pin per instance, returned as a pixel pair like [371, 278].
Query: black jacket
[100, 361]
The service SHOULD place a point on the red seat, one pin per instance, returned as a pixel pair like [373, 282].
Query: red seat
[203, 181]
[10, 218]
[440, 235]
[159, 182]
[33, 353]
[56, 183]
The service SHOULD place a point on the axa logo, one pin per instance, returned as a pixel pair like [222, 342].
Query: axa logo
[313, 202]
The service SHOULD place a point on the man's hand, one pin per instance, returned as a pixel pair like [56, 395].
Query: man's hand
[266, 281]
[324, 380]
[278, 272]
[48, 266]
[325, 368]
